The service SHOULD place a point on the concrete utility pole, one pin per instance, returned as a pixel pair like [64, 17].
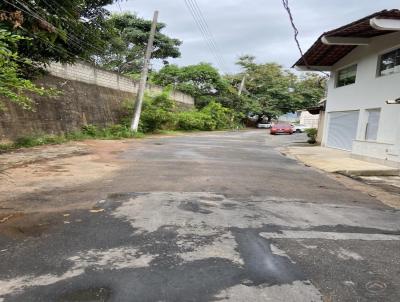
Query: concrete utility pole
[143, 77]
[241, 87]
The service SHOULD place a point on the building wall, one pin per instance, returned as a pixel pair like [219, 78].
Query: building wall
[88, 96]
[309, 120]
[321, 122]
[369, 92]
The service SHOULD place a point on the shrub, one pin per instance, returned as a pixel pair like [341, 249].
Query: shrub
[157, 113]
[312, 135]
[190, 120]
[222, 117]
[89, 130]
[116, 132]
[38, 140]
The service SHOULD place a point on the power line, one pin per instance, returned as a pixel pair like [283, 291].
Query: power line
[202, 31]
[200, 25]
[209, 32]
[296, 33]
[35, 14]
[119, 5]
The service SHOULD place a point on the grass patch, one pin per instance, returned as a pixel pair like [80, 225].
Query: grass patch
[87, 132]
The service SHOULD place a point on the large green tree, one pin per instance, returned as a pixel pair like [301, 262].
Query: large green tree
[276, 90]
[126, 38]
[202, 81]
[60, 31]
[12, 86]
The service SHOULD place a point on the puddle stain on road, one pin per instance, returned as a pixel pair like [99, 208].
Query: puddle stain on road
[261, 264]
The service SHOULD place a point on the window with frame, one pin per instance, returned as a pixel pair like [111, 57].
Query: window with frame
[389, 63]
[346, 76]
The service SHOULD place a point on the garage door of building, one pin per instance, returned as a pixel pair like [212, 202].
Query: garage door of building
[342, 129]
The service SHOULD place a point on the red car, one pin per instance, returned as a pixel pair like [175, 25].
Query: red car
[281, 128]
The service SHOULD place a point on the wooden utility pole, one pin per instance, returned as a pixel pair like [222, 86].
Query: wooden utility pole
[143, 77]
[241, 87]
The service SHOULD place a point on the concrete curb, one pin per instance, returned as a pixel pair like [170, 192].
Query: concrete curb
[394, 172]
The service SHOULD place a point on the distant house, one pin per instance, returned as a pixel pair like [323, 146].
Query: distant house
[290, 117]
[363, 58]
[307, 119]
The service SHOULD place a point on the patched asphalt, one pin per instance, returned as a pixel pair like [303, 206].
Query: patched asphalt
[207, 217]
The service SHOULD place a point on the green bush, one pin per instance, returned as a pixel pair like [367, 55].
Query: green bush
[157, 113]
[116, 132]
[38, 140]
[190, 120]
[312, 135]
[89, 130]
[222, 117]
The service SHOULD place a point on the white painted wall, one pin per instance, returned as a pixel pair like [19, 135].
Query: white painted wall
[309, 120]
[370, 91]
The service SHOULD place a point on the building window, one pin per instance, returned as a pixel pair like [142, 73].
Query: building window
[371, 130]
[389, 63]
[346, 76]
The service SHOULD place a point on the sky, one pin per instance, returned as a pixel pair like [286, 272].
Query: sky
[257, 27]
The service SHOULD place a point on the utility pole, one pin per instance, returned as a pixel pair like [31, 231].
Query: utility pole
[143, 77]
[241, 87]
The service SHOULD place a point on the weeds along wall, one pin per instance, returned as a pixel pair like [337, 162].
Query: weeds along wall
[88, 95]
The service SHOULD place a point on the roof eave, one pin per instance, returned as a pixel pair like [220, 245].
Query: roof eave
[311, 68]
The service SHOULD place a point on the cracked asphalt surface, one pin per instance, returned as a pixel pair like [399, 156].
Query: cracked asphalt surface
[205, 217]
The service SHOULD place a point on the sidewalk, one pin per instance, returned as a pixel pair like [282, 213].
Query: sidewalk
[376, 180]
[333, 160]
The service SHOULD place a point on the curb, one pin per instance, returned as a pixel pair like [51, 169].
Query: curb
[391, 172]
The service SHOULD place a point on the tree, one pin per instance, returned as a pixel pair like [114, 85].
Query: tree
[126, 39]
[202, 81]
[278, 91]
[58, 31]
[12, 86]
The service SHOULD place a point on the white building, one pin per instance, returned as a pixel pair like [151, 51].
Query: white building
[309, 120]
[364, 60]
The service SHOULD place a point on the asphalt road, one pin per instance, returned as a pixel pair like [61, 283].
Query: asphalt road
[208, 217]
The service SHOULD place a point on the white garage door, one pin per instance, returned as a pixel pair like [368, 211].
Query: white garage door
[342, 129]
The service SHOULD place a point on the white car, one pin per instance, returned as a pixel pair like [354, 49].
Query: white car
[264, 125]
[299, 128]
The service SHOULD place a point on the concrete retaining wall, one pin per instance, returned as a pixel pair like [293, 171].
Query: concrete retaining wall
[89, 96]
[86, 73]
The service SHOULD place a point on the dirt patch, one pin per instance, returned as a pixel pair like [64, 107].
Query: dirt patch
[56, 169]
[21, 226]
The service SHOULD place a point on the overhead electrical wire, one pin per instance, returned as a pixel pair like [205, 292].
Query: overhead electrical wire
[209, 32]
[41, 38]
[296, 33]
[35, 14]
[202, 27]
[202, 31]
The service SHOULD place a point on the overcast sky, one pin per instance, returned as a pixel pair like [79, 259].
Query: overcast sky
[257, 27]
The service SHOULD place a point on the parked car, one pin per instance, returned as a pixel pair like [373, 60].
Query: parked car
[299, 128]
[281, 128]
[264, 125]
